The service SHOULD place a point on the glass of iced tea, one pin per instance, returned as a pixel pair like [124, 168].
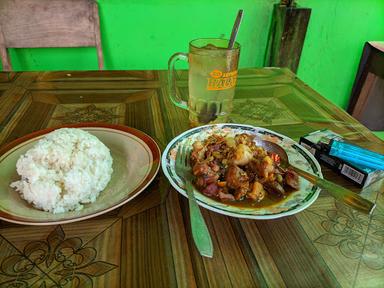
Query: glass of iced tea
[212, 80]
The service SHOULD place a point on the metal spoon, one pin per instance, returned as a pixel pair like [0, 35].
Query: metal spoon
[340, 193]
[235, 29]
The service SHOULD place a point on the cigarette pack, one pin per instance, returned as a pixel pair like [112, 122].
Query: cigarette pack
[317, 143]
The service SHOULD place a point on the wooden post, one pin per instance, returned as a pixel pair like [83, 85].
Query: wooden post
[286, 37]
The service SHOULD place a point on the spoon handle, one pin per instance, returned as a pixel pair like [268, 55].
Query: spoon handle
[338, 192]
[235, 29]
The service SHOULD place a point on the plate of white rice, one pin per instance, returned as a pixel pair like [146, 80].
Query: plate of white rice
[72, 173]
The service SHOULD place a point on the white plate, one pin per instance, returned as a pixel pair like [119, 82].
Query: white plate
[298, 156]
[136, 161]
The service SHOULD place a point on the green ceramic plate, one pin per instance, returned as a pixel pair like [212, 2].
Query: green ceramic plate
[298, 156]
[135, 163]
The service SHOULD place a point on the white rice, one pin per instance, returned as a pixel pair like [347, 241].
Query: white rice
[63, 170]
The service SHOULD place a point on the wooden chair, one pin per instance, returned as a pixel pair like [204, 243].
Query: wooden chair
[367, 99]
[48, 23]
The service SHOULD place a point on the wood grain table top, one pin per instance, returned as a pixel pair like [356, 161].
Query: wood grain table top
[148, 242]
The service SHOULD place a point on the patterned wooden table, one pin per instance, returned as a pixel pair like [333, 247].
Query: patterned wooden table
[147, 242]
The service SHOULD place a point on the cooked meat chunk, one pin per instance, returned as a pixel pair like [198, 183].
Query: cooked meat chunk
[204, 180]
[205, 175]
[242, 155]
[200, 182]
[226, 196]
[237, 179]
[214, 166]
[201, 169]
[274, 187]
[266, 167]
[197, 153]
[257, 193]
[242, 191]
[211, 190]
[292, 179]
[262, 167]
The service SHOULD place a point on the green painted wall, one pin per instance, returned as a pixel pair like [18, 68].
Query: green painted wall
[142, 34]
[335, 38]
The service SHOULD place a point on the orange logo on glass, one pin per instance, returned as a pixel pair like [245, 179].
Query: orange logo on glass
[221, 80]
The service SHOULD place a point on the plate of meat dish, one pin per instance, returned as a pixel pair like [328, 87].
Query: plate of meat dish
[234, 176]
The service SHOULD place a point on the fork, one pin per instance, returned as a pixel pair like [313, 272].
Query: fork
[199, 229]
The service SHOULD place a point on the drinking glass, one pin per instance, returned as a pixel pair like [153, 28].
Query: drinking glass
[212, 80]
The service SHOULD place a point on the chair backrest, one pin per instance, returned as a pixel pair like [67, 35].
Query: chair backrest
[48, 23]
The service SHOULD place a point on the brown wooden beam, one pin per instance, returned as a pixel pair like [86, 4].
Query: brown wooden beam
[286, 37]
